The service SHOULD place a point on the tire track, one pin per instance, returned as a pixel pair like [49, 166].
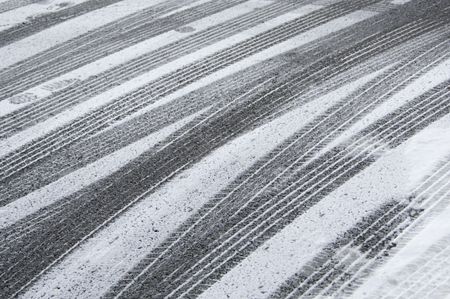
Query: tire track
[382, 6]
[18, 71]
[329, 260]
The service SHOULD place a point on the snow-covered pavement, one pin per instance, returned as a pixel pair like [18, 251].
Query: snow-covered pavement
[224, 149]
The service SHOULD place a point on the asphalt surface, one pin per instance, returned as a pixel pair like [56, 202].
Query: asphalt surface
[401, 42]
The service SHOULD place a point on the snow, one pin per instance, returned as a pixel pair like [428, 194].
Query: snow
[396, 268]
[400, 2]
[185, 7]
[434, 144]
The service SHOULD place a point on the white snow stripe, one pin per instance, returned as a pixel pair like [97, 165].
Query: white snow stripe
[185, 7]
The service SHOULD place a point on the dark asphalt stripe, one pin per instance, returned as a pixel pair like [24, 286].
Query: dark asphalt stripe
[117, 40]
[106, 115]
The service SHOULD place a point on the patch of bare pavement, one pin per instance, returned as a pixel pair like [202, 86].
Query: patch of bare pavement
[224, 149]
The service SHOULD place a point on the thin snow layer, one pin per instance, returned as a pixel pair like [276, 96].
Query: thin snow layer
[62, 32]
[431, 145]
[399, 2]
[83, 177]
[390, 275]
[23, 14]
[426, 81]
[422, 155]
[184, 7]
[10, 144]
[391, 177]
[120, 57]
[102, 260]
